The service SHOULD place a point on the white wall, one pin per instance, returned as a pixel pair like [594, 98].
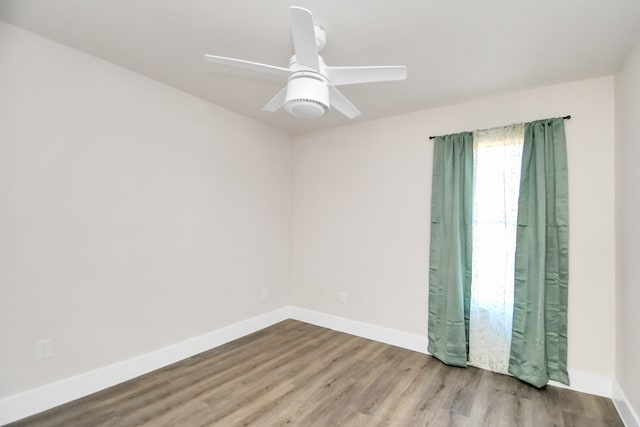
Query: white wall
[362, 200]
[628, 229]
[132, 215]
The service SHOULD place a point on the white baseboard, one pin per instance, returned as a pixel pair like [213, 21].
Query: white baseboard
[625, 409]
[365, 330]
[21, 405]
[30, 402]
[587, 382]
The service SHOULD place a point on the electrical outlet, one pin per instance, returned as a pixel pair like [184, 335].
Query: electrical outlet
[343, 297]
[265, 293]
[44, 348]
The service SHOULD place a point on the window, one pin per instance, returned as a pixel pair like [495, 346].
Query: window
[497, 164]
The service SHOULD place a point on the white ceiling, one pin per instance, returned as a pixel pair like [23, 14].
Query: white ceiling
[455, 50]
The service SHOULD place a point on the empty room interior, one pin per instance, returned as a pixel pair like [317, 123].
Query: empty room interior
[319, 213]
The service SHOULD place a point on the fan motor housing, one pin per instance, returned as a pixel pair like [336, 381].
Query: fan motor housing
[307, 95]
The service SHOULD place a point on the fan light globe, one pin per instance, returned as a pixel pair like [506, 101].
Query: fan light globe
[307, 97]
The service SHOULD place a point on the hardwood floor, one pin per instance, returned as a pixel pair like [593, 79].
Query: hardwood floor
[296, 374]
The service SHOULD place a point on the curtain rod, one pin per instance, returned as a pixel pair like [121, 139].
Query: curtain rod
[564, 117]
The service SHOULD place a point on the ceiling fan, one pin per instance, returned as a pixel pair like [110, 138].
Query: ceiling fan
[311, 84]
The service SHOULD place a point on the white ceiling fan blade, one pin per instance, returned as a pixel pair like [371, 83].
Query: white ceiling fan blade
[304, 37]
[254, 66]
[352, 75]
[276, 102]
[342, 104]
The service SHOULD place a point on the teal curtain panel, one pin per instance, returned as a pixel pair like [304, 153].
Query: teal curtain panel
[539, 338]
[451, 248]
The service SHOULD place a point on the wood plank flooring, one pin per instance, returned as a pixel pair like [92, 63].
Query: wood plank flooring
[296, 374]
